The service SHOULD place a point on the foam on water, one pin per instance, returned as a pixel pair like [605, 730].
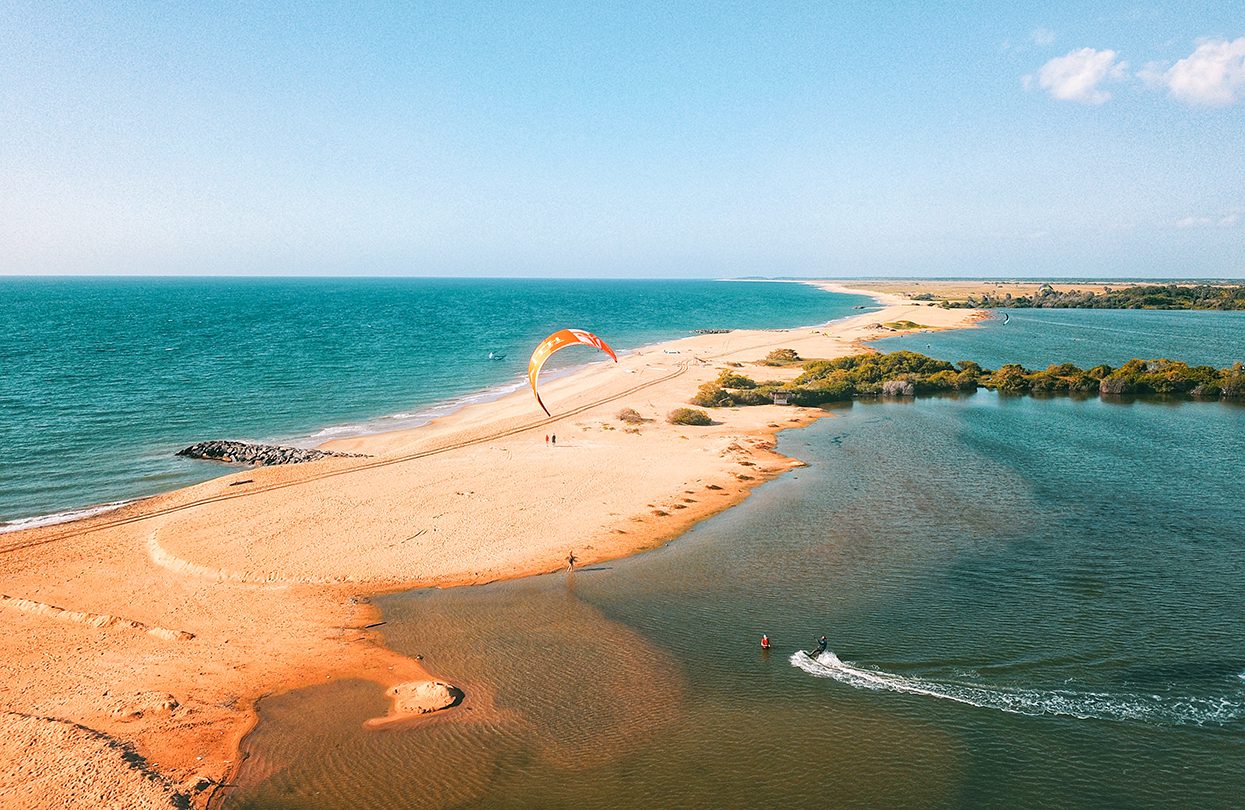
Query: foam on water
[407, 419]
[59, 517]
[1151, 708]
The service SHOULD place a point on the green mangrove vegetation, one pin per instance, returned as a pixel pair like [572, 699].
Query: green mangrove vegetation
[1146, 296]
[909, 374]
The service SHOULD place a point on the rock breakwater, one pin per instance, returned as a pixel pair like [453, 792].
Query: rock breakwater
[257, 455]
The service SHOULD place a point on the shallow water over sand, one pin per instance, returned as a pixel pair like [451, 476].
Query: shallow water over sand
[1030, 602]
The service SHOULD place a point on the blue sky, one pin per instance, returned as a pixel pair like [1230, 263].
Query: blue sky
[663, 140]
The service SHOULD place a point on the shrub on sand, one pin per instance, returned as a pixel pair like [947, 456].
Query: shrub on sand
[781, 357]
[688, 416]
[631, 416]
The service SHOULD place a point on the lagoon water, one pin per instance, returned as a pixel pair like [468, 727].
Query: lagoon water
[102, 380]
[1031, 602]
[1036, 338]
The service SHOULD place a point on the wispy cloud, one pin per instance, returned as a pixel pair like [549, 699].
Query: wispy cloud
[1212, 76]
[1038, 38]
[1078, 76]
[1228, 220]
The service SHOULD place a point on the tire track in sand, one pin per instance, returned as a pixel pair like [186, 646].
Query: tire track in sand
[371, 465]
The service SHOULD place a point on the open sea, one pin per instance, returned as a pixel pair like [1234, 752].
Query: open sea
[103, 380]
[1030, 603]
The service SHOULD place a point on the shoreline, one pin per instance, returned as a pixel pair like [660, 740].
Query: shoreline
[270, 584]
[403, 420]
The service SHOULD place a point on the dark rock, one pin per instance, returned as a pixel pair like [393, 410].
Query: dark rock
[257, 455]
[898, 388]
[1115, 386]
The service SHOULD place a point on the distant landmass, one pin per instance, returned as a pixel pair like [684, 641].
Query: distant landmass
[1147, 296]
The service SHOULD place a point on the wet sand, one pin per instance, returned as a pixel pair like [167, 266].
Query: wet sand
[137, 642]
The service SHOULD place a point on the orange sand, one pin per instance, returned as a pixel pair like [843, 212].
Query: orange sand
[135, 643]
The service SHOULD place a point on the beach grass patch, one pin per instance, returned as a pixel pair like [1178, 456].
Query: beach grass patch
[781, 357]
[688, 416]
[631, 416]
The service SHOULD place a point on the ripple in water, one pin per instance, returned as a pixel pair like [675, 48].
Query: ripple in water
[1154, 709]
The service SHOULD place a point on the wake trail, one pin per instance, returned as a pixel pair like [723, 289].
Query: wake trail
[1158, 709]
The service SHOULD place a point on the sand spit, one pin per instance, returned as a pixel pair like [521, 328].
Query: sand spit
[903, 290]
[262, 586]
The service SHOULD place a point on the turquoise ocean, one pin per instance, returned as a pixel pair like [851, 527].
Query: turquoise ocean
[102, 380]
[1030, 603]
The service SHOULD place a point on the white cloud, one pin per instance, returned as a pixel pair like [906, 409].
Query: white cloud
[1043, 36]
[1077, 75]
[1213, 75]
[1228, 220]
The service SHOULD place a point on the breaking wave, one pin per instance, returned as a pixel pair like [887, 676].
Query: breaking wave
[1159, 709]
[59, 517]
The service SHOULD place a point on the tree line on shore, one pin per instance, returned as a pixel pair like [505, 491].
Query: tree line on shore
[1147, 296]
[910, 373]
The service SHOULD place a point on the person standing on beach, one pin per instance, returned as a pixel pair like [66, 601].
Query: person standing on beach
[570, 562]
[555, 440]
[546, 439]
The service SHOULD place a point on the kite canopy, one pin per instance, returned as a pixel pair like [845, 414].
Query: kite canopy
[560, 340]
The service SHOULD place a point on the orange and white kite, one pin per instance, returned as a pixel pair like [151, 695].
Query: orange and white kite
[560, 340]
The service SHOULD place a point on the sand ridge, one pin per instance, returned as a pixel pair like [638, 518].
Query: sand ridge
[265, 584]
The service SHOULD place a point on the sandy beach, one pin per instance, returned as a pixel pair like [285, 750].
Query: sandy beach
[138, 641]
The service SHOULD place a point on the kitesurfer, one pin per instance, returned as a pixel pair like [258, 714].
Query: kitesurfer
[764, 642]
[560, 340]
[821, 647]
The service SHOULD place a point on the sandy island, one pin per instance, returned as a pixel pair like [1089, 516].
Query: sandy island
[137, 642]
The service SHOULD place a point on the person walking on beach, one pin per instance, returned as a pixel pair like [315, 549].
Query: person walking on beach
[570, 562]
[554, 438]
